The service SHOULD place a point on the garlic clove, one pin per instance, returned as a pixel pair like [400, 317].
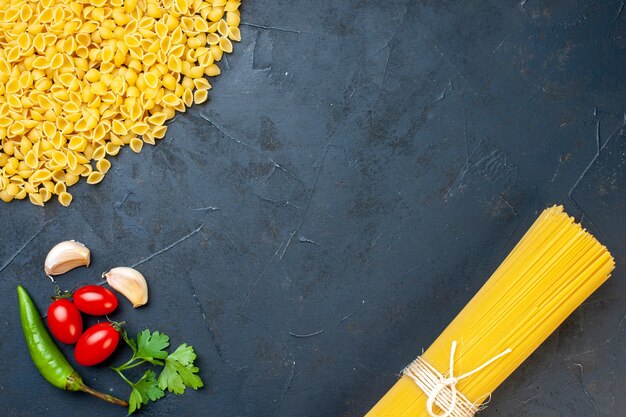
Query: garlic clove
[65, 256]
[130, 282]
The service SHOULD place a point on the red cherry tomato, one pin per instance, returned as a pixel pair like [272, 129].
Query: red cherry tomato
[96, 344]
[65, 321]
[95, 300]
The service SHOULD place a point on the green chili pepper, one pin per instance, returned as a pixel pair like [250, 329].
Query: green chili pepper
[46, 355]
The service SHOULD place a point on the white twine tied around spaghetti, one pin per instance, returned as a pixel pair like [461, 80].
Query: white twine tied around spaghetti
[442, 391]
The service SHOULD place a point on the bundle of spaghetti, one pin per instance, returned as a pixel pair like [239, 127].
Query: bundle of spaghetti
[549, 273]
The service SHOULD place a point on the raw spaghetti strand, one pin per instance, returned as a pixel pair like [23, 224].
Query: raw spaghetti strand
[550, 272]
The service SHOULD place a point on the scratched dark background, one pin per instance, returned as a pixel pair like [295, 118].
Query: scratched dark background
[359, 171]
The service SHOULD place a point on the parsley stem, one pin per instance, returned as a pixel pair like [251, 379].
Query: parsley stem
[123, 377]
[131, 360]
[125, 367]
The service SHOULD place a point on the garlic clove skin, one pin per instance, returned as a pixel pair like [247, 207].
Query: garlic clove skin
[66, 256]
[130, 282]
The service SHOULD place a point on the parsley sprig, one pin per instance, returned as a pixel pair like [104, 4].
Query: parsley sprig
[178, 371]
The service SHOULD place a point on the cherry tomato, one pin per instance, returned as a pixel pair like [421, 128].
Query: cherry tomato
[65, 321]
[95, 300]
[96, 344]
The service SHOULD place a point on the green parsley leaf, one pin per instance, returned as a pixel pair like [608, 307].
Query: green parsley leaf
[151, 346]
[145, 390]
[179, 371]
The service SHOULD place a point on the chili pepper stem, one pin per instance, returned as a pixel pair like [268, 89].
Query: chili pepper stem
[75, 383]
[106, 397]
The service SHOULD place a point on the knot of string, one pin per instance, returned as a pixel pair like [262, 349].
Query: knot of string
[441, 390]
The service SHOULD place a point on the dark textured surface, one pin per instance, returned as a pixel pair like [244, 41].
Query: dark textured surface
[360, 170]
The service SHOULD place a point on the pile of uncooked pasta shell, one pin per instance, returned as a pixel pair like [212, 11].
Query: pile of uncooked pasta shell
[79, 80]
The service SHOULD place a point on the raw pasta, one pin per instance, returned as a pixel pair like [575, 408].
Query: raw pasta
[81, 79]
